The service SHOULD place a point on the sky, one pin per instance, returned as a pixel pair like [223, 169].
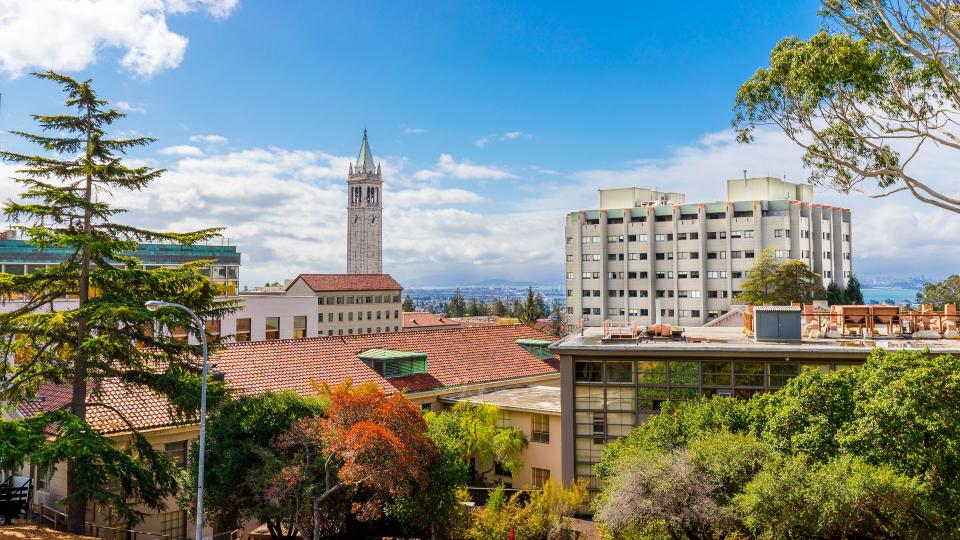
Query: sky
[491, 121]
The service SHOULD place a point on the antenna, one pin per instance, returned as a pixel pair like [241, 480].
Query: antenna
[744, 174]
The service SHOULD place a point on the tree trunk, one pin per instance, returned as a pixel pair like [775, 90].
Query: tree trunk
[77, 508]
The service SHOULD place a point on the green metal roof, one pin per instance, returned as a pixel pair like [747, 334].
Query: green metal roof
[21, 251]
[716, 207]
[742, 206]
[387, 354]
[537, 342]
[365, 158]
[663, 210]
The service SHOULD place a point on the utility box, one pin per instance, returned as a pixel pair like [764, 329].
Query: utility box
[776, 323]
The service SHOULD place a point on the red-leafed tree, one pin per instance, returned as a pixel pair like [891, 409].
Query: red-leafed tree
[367, 450]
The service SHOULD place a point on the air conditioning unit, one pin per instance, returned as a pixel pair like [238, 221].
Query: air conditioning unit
[777, 323]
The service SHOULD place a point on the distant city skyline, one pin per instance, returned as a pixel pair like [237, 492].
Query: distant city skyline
[491, 123]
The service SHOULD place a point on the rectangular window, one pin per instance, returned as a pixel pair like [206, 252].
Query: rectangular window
[503, 419]
[243, 330]
[619, 372]
[541, 428]
[651, 372]
[748, 374]
[176, 452]
[748, 234]
[588, 397]
[781, 373]
[650, 398]
[272, 327]
[683, 373]
[588, 371]
[174, 524]
[736, 234]
[540, 476]
[716, 373]
[299, 326]
[44, 474]
[782, 253]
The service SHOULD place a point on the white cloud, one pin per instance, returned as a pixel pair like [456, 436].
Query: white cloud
[209, 139]
[126, 106]
[68, 35]
[481, 142]
[181, 150]
[431, 196]
[414, 131]
[447, 167]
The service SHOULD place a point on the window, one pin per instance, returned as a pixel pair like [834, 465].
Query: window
[44, 474]
[569, 239]
[642, 238]
[663, 237]
[650, 398]
[782, 253]
[716, 373]
[736, 234]
[299, 326]
[174, 524]
[716, 274]
[614, 275]
[540, 476]
[588, 371]
[588, 397]
[748, 374]
[719, 235]
[615, 239]
[651, 372]
[591, 239]
[176, 452]
[748, 234]
[781, 233]
[716, 215]
[683, 373]
[665, 256]
[243, 330]
[689, 313]
[541, 428]
[503, 419]
[719, 254]
[614, 256]
[826, 236]
[569, 275]
[748, 254]
[736, 274]
[272, 326]
[826, 255]
[569, 258]
[781, 373]
[619, 372]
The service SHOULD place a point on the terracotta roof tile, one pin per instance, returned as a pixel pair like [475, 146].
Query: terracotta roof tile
[455, 356]
[349, 282]
[420, 319]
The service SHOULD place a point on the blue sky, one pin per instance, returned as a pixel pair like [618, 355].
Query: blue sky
[492, 118]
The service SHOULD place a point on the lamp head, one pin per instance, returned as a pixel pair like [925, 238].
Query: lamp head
[153, 305]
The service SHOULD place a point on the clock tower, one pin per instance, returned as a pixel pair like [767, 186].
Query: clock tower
[364, 210]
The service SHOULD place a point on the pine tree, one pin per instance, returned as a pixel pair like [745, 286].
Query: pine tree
[473, 308]
[760, 284]
[457, 306]
[499, 308]
[853, 293]
[110, 336]
[835, 295]
[407, 305]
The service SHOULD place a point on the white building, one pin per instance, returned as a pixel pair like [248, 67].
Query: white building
[646, 253]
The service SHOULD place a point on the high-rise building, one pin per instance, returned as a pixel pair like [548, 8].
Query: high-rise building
[364, 213]
[645, 255]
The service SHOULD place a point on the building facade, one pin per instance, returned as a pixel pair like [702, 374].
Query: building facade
[20, 257]
[349, 304]
[364, 213]
[646, 256]
[608, 387]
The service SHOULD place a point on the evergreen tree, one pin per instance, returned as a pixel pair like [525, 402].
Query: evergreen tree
[473, 308]
[940, 293]
[457, 306]
[516, 309]
[499, 308]
[540, 306]
[532, 309]
[757, 289]
[407, 305]
[853, 293]
[775, 283]
[110, 337]
[835, 295]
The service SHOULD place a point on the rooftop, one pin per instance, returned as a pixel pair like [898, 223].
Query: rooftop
[21, 251]
[348, 282]
[423, 319]
[733, 339]
[542, 399]
[455, 357]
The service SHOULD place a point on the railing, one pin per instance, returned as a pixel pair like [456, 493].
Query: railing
[59, 521]
[480, 495]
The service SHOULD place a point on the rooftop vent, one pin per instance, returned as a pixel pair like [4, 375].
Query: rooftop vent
[777, 323]
[388, 363]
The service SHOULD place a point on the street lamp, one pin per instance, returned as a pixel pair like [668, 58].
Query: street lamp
[154, 305]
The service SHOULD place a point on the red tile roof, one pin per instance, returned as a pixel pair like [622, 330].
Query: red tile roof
[348, 282]
[420, 319]
[455, 356]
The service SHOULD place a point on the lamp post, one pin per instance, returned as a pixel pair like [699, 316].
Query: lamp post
[154, 305]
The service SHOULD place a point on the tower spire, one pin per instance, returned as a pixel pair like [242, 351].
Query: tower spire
[365, 162]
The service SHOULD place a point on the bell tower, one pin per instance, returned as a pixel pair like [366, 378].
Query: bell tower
[364, 210]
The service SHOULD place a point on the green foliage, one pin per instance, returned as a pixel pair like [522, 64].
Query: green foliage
[543, 516]
[864, 96]
[843, 498]
[499, 309]
[940, 293]
[852, 293]
[110, 336]
[456, 306]
[865, 452]
[476, 308]
[241, 435]
[835, 295]
[407, 305]
[436, 511]
[471, 430]
[533, 308]
[780, 283]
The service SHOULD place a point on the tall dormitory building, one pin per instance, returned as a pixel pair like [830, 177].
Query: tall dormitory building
[646, 252]
[364, 213]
